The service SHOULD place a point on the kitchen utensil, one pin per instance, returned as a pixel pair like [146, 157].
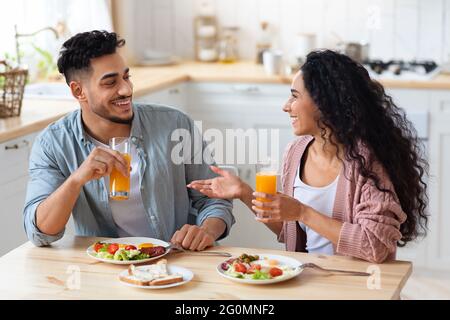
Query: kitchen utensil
[202, 253]
[305, 43]
[358, 51]
[264, 41]
[273, 62]
[350, 273]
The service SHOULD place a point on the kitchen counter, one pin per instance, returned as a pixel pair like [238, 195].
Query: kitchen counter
[52, 272]
[249, 72]
[37, 114]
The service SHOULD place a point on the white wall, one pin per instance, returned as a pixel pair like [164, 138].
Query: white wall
[403, 29]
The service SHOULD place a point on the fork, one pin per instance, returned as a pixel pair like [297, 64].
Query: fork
[350, 273]
[200, 253]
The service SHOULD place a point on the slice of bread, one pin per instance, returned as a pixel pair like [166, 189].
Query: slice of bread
[173, 278]
[151, 275]
[134, 280]
[156, 268]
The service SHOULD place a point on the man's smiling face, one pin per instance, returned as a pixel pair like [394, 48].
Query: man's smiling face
[108, 89]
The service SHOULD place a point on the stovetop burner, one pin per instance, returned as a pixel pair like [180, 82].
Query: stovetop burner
[421, 67]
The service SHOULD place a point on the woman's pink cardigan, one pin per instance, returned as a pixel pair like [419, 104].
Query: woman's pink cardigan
[371, 218]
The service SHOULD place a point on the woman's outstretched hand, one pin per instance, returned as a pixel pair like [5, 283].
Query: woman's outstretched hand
[226, 186]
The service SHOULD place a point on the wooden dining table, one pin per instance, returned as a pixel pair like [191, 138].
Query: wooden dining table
[65, 271]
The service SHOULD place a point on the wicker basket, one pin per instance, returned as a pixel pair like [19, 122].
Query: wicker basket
[12, 85]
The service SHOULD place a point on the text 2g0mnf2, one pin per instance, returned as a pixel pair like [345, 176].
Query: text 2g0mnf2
[252, 309]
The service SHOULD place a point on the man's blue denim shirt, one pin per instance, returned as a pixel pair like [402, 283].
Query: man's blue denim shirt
[61, 148]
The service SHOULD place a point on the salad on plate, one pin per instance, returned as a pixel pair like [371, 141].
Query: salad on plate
[128, 250]
[124, 252]
[265, 268]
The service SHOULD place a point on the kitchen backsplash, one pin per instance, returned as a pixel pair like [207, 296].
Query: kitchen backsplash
[400, 29]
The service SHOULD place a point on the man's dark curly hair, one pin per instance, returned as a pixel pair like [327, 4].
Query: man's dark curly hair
[358, 110]
[77, 52]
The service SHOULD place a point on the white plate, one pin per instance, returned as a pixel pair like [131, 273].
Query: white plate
[295, 264]
[135, 241]
[187, 276]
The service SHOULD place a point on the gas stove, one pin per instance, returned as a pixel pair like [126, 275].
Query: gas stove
[402, 70]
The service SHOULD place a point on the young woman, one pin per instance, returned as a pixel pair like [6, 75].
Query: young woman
[353, 180]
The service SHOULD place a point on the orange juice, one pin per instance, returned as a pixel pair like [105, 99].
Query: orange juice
[266, 182]
[119, 185]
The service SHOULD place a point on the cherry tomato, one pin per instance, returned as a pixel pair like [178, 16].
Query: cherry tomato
[98, 246]
[253, 268]
[275, 272]
[113, 247]
[130, 247]
[239, 267]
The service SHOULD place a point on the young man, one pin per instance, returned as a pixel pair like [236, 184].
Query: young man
[70, 161]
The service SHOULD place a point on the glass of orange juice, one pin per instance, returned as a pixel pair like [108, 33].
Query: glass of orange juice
[119, 185]
[266, 178]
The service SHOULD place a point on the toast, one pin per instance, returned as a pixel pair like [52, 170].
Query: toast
[173, 278]
[134, 281]
[151, 275]
[160, 267]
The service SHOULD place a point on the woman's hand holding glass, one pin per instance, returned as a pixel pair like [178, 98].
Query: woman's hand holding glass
[277, 208]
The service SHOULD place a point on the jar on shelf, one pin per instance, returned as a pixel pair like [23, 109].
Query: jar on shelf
[264, 41]
[228, 45]
[205, 37]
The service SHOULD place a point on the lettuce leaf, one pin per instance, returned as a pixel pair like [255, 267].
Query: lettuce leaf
[259, 275]
[104, 255]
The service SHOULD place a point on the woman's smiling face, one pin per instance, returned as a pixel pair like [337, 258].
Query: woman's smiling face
[302, 109]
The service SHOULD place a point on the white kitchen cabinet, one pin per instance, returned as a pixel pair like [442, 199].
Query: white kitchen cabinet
[14, 159]
[433, 251]
[439, 237]
[417, 105]
[243, 106]
[174, 96]
[14, 155]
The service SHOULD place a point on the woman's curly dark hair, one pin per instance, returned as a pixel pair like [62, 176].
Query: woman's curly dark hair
[77, 52]
[358, 110]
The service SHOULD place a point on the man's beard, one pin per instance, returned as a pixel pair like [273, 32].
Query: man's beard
[121, 121]
[107, 116]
